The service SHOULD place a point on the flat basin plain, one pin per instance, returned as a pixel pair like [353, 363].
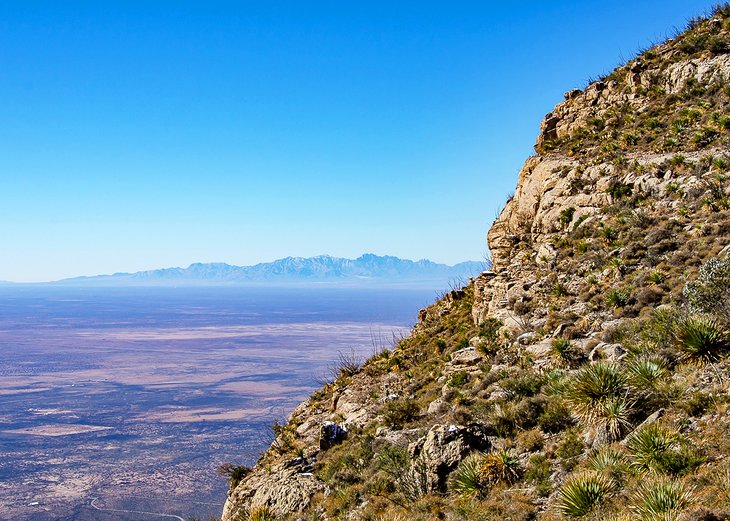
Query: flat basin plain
[120, 403]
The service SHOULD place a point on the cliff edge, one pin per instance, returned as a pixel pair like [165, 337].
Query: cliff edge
[585, 375]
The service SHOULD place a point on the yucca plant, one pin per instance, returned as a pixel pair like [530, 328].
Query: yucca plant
[656, 277]
[650, 445]
[591, 387]
[645, 371]
[700, 339]
[661, 500]
[563, 350]
[262, 513]
[613, 416]
[610, 463]
[606, 459]
[467, 480]
[583, 493]
[556, 382]
[501, 466]
[616, 298]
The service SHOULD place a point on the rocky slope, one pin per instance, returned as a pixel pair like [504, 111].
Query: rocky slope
[586, 374]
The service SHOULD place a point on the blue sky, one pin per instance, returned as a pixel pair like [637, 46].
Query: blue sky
[138, 135]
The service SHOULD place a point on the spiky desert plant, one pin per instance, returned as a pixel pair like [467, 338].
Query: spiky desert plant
[700, 339]
[649, 446]
[501, 466]
[591, 387]
[563, 350]
[661, 500]
[645, 371]
[583, 493]
[613, 416]
[610, 463]
[606, 459]
[262, 513]
[467, 480]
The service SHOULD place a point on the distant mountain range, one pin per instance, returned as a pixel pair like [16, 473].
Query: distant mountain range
[367, 269]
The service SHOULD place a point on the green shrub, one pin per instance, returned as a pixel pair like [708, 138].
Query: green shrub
[234, 473]
[556, 417]
[348, 364]
[710, 292]
[238, 473]
[408, 479]
[524, 384]
[582, 494]
[613, 417]
[610, 463]
[646, 371]
[569, 450]
[566, 216]
[538, 473]
[616, 298]
[705, 136]
[559, 290]
[458, 379]
[489, 328]
[617, 190]
[582, 246]
[696, 403]
[596, 123]
[399, 412]
[661, 500]
[648, 445]
[609, 235]
[531, 440]
[656, 277]
[700, 339]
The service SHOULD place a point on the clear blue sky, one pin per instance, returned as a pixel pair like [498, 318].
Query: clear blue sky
[137, 135]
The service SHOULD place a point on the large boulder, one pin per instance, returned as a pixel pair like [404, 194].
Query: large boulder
[285, 488]
[467, 359]
[439, 452]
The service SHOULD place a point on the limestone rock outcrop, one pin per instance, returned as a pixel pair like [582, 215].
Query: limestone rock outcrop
[284, 488]
[443, 447]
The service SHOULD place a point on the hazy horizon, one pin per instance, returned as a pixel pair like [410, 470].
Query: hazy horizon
[273, 261]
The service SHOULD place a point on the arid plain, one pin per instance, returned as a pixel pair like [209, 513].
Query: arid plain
[106, 418]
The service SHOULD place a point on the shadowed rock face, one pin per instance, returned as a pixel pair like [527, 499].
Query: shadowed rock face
[626, 158]
[439, 452]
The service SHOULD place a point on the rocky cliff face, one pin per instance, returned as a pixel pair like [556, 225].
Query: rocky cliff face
[587, 369]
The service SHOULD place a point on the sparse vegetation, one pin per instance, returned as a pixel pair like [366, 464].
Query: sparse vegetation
[601, 389]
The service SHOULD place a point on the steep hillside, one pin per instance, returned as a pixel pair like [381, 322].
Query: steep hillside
[586, 374]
